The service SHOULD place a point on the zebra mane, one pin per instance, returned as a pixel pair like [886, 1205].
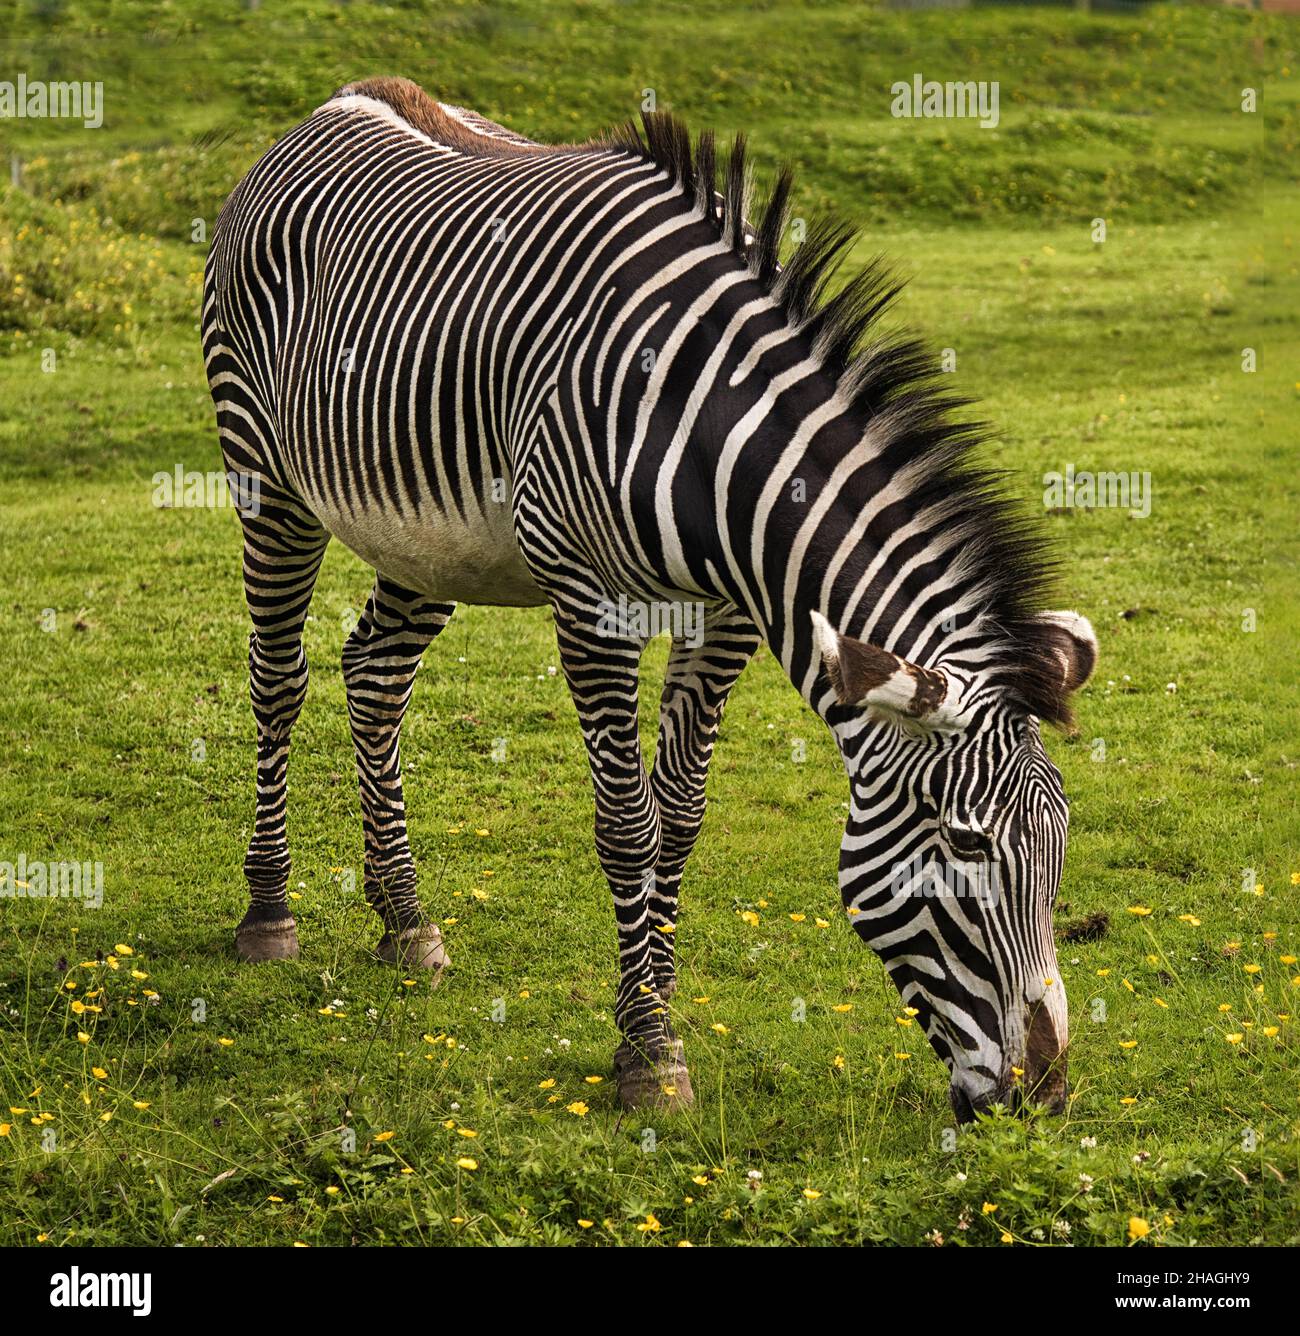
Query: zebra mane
[894, 379]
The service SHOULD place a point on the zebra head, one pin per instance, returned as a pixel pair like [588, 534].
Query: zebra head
[952, 856]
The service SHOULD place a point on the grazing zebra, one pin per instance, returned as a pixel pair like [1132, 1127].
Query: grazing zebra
[516, 374]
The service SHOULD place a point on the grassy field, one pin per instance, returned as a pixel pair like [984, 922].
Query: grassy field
[158, 1092]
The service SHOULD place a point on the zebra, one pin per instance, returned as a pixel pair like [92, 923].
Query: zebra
[518, 374]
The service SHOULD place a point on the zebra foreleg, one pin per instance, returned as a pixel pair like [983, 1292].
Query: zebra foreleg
[602, 675]
[696, 686]
[380, 659]
[283, 547]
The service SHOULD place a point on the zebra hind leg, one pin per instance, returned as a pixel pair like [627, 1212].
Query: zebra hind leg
[602, 676]
[696, 686]
[283, 547]
[380, 659]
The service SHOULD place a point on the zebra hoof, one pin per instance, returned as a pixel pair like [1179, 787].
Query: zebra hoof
[662, 1083]
[275, 939]
[418, 948]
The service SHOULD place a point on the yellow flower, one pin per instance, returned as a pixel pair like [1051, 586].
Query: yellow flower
[902, 1057]
[99, 1074]
[821, 923]
[649, 1225]
[5, 1129]
[548, 1084]
[332, 1191]
[701, 1000]
[839, 1062]
[466, 1132]
[1287, 960]
[139, 974]
[578, 1109]
[988, 1208]
[1270, 1030]
[1101, 974]
[700, 1181]
[466, 1163]
[1233, 1038]
[1140, 910]
[1006, 1238]
[123, 950]
[593, 1080]
[1128, 1043]
[226, 1043]
[798, 918]
[811, 1193]
[384, 1136]
[140, 1104]
[1128, 1099]
[1138, 1228]
[843, 1007]
[82, 1037]
[1189, 918]
[585, 1224]
[275, 1199]
[748, 916]
[1251, 969]
[719, 1028]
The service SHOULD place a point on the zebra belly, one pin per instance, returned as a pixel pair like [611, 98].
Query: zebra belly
[441, 555]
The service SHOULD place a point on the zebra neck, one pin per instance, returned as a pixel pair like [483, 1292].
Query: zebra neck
[864, 548]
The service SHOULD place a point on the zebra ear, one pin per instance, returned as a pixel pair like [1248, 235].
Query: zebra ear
[1074, 643]
[867, 676]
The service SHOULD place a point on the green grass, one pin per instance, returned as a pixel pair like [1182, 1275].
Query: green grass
[1125, 356]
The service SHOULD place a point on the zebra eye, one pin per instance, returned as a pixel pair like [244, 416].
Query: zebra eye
[968, 842]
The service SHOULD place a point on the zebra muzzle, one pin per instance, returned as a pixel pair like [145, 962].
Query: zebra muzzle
[1045, 1060]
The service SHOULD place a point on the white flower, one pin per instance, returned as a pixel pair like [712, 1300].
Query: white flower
[1061, 1227]
[1088, 1143]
